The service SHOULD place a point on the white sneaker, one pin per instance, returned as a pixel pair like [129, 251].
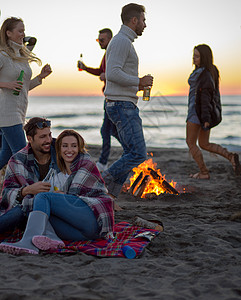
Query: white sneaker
[101, 167]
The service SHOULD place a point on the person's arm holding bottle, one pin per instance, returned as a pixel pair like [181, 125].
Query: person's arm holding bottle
[17, 85]
[93, 71]
[11, 85]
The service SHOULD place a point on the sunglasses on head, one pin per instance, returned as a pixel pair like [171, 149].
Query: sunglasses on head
[42, 124]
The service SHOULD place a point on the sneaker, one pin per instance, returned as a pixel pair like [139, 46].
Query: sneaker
[101, 167]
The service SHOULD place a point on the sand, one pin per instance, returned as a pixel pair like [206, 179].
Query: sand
[198, 256]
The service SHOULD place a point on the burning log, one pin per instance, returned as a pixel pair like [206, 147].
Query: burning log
[139, 191]
[135, 183]
[147, 181]
[166, 186]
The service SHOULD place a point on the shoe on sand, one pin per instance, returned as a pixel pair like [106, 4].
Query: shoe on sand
[15, 250]
[44, 243]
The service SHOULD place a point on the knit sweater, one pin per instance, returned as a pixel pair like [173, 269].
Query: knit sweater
[122, 81]
[13, 108]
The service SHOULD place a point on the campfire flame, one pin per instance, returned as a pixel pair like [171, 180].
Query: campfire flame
[155, 182]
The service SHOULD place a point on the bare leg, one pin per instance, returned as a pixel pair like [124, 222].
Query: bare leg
[215, 148]
[192, 134]
[211, 147]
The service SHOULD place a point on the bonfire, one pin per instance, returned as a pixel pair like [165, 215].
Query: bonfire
[147, 179]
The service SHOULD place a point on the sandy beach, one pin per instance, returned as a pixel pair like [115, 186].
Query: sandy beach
[198, 256]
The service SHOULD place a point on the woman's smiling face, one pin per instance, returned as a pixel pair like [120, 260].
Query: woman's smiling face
[69, 149]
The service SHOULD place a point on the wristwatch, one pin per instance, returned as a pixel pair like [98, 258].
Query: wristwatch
[19, 197]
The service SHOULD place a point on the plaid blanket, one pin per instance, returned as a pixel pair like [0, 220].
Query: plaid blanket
[86, 182]
[22, 170]
[124, 234]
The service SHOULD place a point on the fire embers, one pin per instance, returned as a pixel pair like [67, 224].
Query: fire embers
[149, 180]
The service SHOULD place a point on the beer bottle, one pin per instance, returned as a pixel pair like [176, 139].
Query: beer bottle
[80, 61]
[20, 78]
[146, 93]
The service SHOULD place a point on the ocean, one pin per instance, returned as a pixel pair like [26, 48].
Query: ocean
[164, 119]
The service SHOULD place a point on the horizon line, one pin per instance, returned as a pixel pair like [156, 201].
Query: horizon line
[99, 95]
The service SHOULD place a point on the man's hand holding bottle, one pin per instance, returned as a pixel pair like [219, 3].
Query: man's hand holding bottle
[145, 81]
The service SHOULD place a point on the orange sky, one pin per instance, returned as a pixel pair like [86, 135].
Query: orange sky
[81, 83]
[174, 27]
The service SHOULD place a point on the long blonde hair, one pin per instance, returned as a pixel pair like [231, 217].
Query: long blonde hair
[26, 55]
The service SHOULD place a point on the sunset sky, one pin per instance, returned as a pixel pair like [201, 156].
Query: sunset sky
[65, 29]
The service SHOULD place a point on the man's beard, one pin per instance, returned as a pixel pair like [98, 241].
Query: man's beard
[139, 31]
[44, 151]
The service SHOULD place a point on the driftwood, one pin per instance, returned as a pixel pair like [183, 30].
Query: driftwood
[139, 191]
[165, 185]
[135, 183]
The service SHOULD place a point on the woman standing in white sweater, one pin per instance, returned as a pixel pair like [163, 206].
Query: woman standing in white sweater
[15, 57]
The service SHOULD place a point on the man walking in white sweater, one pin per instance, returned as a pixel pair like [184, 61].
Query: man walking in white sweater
[122, 84]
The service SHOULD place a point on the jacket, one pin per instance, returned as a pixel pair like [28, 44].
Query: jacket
[207, 100]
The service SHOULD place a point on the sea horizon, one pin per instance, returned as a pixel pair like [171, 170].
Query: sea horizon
[163, 117]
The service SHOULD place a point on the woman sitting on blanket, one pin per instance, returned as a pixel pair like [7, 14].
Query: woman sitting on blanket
[79, 210]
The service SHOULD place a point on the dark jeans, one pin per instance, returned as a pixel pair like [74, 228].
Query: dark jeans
[13, 218]
[71, 217]
[125, 115]
[107, 130]
[13, 140]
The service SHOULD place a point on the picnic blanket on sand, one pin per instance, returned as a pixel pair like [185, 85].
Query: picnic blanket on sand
[124, 234]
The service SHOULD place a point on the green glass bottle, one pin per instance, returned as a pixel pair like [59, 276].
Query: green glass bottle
[20, 78]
